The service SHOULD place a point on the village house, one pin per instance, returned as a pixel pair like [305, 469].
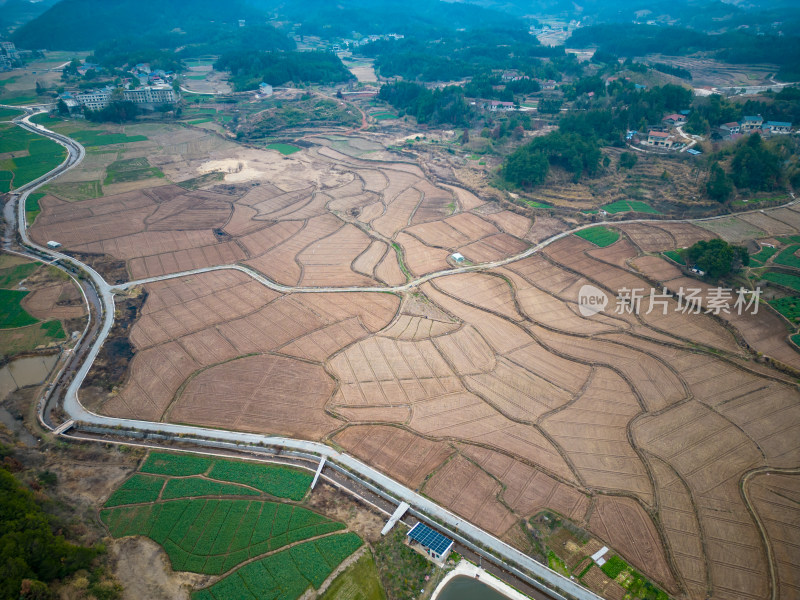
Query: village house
[730, 128]
[675, 119]
[751, 123]
[9, 56]
[662, 139]
[778, 126]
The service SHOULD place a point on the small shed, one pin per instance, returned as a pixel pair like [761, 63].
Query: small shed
[434, 543]
[458, 257]
[53, 245]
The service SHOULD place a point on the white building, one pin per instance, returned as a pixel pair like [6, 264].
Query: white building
[264, 90]
[94, 99]
[99, 99]
[156, 94]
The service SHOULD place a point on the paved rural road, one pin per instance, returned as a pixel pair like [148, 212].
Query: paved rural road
[77, 412]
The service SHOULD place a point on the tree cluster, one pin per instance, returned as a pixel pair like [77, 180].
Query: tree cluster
[474, 53]
[117, 111]
[529, 165]
[31, 554]
[755, 166]
[673, 70]
[717, 257]
[248, 69]
[434, 107]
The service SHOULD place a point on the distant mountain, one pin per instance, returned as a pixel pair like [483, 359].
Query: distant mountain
[342, 18]
[705, 15]
[15, 13]
[83, 24]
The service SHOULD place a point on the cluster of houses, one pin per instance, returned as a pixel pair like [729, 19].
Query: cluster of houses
[662, 136]
[154, 88]
[753, 124]
[349, 44]
[9, 56]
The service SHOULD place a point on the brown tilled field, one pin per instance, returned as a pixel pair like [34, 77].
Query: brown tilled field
[489, 390]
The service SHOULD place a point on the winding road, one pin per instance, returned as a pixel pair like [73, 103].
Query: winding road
[105, 294]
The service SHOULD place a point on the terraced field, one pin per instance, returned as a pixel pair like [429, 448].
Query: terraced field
[490, 391]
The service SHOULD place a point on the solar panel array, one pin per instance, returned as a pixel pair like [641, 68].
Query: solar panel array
[430, 538]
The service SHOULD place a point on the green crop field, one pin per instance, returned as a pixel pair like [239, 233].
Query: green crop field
[285, 575]
[599, 235]
[537, 204]
[284, 149]
[212, 535]
[276, 480]
[763, 255]
[360, 581]
[674, 256]
[11, 276]
[160, 463]
[756, 202]
[197, 486]
[20, 100]
[636, 584]
[784, 279]
[787, 257]
[796, 339]
[139, 488]
[13, 315]
[9, 113]
[32, 208]
[789, 307]
[33, 156]
[20, 331]
[630, 206]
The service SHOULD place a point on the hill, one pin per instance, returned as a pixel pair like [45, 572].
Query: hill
[83, 24]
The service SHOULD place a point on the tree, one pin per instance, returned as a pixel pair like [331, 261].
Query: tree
[755, 166]
[627, 160]
[717, 257]
[62, 108]
[697, 124]
[719, 186]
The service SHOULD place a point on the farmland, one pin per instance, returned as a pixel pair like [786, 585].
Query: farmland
[187, 508]
[599, 236]
[489, 391]
[30, 294]
[25, 156]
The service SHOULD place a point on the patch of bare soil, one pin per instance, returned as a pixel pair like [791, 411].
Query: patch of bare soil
[143, 569]
[111, 364]
[113, 271]
[339, 506]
